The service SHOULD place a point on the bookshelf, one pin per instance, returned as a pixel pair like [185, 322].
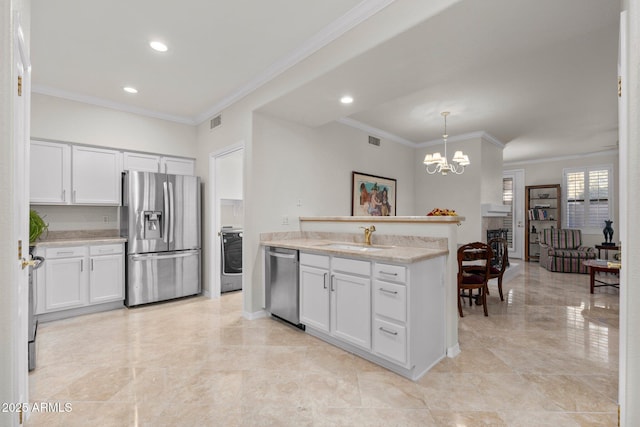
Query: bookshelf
[542, 210]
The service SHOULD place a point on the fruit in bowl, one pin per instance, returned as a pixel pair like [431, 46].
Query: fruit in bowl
[442, 212]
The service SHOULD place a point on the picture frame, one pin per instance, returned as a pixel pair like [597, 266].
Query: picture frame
[364, 187]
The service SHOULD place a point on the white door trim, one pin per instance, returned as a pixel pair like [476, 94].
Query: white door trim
[215, 252]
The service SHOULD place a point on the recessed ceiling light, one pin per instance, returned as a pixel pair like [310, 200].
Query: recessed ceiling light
[159, 46]
[130, 89]
[346, 99]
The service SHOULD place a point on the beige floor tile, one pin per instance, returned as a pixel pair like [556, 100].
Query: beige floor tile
[546, 356]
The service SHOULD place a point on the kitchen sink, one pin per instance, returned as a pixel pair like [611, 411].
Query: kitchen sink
[353, 247]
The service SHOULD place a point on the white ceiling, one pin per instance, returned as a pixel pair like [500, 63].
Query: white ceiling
[539, 75]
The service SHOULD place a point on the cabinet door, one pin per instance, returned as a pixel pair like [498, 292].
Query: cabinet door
[351, 309]
[50, 174]
[177, 166]
[141, 162]
[96, 176]
[106, 280]
[64, 284]
[314, 298]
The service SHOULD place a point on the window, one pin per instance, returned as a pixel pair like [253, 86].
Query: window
[587, 198]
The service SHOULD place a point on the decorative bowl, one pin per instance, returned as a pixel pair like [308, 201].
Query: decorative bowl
[543, 195]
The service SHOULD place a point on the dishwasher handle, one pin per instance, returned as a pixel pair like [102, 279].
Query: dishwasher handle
[281, 255]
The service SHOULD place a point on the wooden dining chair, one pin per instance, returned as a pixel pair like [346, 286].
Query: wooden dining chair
[500, 262]
[474, 263]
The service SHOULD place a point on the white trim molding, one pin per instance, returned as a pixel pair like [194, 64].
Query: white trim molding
[105, 103]
[561, 158]
[360, 13]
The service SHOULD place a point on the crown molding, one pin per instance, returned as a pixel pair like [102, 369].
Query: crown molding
[331, 32]
[100, 102]
[376, 132]
[561, 158]
[464, 137]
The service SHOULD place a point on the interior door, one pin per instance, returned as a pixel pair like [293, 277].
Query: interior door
[20, 307]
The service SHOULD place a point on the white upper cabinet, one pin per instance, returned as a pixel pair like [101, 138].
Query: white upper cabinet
[177, 166]
[65, 174]
[141, 162]
[96, 176]
[50, 173]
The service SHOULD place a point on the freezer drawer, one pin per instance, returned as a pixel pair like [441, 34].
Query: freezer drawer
[162, 276]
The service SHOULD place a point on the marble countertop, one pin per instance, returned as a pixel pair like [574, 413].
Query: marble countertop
[79, 237]
[393, 250]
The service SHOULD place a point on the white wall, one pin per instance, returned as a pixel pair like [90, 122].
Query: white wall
[229, 171]
[297, 165]
[480, 183]
[550, 172]
[65, 218]
[70, 121]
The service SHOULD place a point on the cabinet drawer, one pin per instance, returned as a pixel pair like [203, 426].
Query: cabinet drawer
[313, 260]
[351, 266]
[115, 248]
[396, 273]
[65, 252]
[390, 341]
[390, 300]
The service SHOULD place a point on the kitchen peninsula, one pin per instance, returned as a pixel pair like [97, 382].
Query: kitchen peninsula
[388, 302]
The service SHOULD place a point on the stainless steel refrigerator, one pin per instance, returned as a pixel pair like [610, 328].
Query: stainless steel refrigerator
[160, 217]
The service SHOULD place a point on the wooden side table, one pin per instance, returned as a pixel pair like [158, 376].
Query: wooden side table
[606, 248]
[600, 266]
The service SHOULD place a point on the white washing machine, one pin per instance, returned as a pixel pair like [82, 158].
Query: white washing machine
[231, 271]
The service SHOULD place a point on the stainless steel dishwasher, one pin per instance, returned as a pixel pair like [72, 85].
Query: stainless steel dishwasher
[282, 288]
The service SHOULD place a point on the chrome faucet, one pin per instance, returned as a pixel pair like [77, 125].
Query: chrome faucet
[368, 231]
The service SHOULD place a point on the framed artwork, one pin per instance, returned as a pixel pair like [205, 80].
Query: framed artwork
[372, 195]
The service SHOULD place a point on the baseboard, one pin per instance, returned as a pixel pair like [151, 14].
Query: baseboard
[453, 351]
[255, 315]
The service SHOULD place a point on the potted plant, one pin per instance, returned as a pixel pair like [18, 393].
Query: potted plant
[37, 226]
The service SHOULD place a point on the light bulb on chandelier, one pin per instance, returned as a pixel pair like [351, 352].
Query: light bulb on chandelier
[440, 163]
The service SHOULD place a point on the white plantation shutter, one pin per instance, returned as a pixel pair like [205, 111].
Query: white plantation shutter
[587, 197]
[507, 199]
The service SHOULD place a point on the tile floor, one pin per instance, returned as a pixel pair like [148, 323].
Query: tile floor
[546, 356]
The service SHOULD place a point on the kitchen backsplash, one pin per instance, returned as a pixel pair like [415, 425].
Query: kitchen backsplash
[63, 218]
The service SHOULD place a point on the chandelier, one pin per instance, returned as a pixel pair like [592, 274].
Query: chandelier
[435, 163]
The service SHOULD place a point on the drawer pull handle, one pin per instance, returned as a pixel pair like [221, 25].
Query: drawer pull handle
[388, 331]
[388, 273]
[388, 291]
[105, 250]
[64, 253]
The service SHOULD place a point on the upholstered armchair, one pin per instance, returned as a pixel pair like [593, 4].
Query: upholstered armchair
[562, 250]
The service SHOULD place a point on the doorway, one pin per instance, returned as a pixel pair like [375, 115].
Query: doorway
[513, 195]
[226, 169]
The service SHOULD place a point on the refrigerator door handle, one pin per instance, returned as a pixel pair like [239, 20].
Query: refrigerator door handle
[182, 254]
[165, 236]
[171, 211]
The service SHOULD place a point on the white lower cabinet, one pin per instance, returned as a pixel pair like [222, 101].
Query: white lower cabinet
[334, 302]
[351, 307]
[390, 314]
[65, 279]
[79, 276]
[314, 297]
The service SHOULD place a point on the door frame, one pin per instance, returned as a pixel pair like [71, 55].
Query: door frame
[215, 252]
[518, 212]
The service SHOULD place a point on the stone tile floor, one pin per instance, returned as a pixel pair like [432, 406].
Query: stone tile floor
[546, 356]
